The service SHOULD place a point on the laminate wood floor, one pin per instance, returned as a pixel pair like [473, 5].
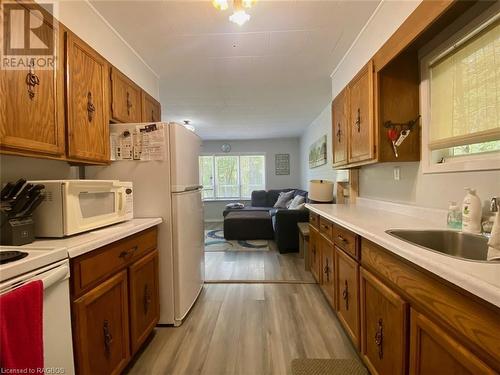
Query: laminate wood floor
[254, 265]
[247, 329]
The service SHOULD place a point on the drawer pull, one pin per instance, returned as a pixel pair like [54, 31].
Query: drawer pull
[32, 80]
[125, 254]
[342, 239]
[345, 295]
[129, 103]
[379, 338]
[358, 120]
[108, 338]
[147, 299]
[326, 270]
[339, 133]
[90, 107]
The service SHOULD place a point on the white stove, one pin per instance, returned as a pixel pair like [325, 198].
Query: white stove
[37, 257]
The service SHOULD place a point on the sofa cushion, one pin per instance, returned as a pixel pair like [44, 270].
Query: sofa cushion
[302, 193]
[296, 202]
[273, 194]
[283, 199]
[259, 198]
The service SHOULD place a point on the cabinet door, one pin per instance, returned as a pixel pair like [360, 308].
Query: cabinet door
[339, 124]
[151, 109]
[327, 269]
[433, 351]
[87, 102]
[101, 333]
[315, 253]
[361, 122]
[125, 98]
[144, 298]
[32, 116]
[347, 291]
[383, 327]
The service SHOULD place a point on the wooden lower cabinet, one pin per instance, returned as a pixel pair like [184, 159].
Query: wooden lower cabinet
[144, 299]
[347, 291]
[433, 351]
[383, 326]
[327, 270]
[315, 253]
[101, 328]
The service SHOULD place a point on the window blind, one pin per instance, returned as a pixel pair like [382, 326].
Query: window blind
[465, 92]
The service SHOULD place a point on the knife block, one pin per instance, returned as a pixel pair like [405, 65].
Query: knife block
[17, 231]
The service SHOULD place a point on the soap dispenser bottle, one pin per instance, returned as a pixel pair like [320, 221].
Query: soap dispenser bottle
[454, 220]
[471, 212]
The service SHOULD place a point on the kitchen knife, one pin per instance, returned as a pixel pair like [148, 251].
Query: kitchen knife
[20, 199]
[32, 194]
[17, 186]
[32, 206]
[6, 190]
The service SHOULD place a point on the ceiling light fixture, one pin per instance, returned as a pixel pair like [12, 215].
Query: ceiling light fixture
[239, 16]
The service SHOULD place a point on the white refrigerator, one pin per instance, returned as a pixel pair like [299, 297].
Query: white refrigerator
[170, 189]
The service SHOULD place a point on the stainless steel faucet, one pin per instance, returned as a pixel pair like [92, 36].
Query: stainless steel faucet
[494, 204]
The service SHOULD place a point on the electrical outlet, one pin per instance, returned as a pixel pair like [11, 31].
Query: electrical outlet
[397, 172]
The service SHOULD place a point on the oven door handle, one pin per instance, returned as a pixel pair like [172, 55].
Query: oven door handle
[57, 275]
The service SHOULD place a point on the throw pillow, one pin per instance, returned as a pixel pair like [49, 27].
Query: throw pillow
[297, 201]
[283, 199]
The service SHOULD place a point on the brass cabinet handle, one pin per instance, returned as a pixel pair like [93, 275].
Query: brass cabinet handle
[90, 107]
[147, 298]
[339, 133]
[126, 253]
[342, 239]
[358, 120]
[32, 80]
[379, 338]
[129, 103]
[345, 295]
[108, 338]
[326, 270]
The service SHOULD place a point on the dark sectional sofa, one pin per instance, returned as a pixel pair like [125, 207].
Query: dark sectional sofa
[261, 220]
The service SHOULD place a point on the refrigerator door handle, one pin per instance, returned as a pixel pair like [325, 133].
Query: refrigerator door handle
[194, 187]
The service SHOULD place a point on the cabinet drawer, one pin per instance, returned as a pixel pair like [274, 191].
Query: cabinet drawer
[93, 267]
[314, 219]
[325, 227]
[144, 298]
[383, 327]
[346, 240]
[347, 291]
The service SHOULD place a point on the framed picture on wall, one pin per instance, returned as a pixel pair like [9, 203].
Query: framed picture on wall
[317, 153]
[282, 164]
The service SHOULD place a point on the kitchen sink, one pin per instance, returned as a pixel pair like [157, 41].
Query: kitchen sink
[456, 244]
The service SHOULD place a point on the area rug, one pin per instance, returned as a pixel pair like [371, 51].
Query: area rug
[327, 367]
[215, 241]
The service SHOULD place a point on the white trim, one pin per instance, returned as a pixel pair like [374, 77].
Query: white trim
[121, 38]
[468, 163]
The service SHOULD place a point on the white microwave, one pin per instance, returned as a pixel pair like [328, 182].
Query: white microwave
[74, 206]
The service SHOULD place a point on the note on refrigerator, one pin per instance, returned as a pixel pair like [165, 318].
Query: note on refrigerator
[138, 142]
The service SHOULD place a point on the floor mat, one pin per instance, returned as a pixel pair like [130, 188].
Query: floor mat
[327, 367]
[215, 241]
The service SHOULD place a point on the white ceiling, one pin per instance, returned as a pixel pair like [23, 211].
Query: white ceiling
[269, 78]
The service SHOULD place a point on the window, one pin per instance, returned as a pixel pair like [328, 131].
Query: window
[232, 176]
[461, 100]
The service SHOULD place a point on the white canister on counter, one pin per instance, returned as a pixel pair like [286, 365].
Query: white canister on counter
[471, 212]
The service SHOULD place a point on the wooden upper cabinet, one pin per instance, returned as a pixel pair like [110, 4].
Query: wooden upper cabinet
[347, 292]
[101, 328]
[361, 117]
[383, 327]
[433, 351]
[87, 102]
[125, 98]
[339, 127]
[144, 298]
[32, 117]
[151, 109]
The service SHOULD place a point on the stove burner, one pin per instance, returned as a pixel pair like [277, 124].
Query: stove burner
[11, 256]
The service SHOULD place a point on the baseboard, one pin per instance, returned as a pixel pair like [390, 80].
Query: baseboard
[259, 282]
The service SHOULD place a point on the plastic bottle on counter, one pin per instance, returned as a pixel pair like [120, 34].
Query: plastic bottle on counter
[454, 220]
[471, 212]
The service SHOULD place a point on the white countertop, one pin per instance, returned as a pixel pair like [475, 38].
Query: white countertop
[80, 244]
[480, 279]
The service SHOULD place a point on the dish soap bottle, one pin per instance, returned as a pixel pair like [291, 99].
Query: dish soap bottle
[471, 212]
[454, 220]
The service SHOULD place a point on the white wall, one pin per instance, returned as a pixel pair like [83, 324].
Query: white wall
[377, 181]
[84, 20]
[269, 147]
[320, 126]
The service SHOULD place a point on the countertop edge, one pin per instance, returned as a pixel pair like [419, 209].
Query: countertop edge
[469, 283]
